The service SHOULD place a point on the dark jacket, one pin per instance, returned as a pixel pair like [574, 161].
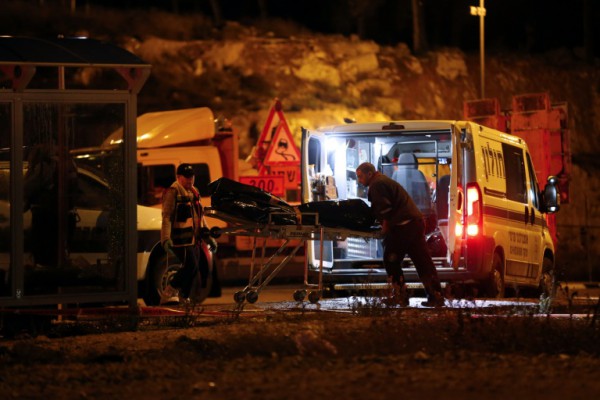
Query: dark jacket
[390, 201]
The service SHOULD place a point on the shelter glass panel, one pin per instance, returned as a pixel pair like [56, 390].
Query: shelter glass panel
[5, 236]
[74, 220]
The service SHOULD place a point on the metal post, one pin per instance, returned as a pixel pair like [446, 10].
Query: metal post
[481, 11]
[482, 45]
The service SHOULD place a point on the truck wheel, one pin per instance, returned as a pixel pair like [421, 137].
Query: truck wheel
[198, 293]
[547, 286]
[494, 285]
[157, 278]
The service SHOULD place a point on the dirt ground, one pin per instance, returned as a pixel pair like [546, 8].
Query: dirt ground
[369, 352]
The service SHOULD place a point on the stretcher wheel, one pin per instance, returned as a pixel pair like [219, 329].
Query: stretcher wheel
[251, 297]
[314, 297]
[299, 295]
[215, 232]
[239, 297]
[204, 232]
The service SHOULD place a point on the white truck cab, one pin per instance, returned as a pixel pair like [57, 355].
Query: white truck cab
[476, 187]
[166, 139]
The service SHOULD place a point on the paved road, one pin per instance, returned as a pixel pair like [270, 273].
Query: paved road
[281, 296]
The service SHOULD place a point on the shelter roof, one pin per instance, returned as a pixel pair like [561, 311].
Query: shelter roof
[69, 52]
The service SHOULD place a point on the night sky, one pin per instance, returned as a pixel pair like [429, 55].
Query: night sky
[528, 26]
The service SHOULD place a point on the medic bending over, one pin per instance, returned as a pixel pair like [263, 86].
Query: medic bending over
[403, 229]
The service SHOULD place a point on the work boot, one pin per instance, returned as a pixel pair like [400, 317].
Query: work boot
[398, 296]
[169, 294]
[436, 300]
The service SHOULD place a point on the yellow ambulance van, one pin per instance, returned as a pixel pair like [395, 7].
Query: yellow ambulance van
[476, 187]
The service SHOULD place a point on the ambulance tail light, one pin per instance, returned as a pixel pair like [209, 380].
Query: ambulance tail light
[474, 212]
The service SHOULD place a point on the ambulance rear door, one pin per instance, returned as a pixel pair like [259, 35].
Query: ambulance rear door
[456, 198]
[314, 165]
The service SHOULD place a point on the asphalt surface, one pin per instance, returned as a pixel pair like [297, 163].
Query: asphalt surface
[281, 297]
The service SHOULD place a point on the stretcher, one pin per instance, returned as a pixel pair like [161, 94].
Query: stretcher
[294, 235]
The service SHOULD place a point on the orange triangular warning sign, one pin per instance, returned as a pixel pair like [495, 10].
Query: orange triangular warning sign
[283, 150]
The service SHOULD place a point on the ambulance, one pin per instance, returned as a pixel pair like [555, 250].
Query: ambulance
[486, 217]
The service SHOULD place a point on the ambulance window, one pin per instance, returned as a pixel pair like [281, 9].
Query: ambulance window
[514, 165]
[533, 185]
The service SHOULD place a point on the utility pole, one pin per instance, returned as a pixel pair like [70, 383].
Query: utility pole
[480, 11]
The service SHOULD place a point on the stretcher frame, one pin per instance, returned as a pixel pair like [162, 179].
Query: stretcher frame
[288, 232]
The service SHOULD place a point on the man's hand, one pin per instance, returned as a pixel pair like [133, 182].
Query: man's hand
[168, 246]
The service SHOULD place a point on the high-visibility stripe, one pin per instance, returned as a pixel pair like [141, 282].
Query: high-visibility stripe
[511, 215]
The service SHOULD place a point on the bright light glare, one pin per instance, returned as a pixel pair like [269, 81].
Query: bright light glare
[472, 230]
[472, 197]
[458, 229]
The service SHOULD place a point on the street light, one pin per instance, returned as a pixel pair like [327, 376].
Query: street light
[480, 11]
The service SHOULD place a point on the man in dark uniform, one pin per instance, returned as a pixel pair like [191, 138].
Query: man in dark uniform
[403, 229]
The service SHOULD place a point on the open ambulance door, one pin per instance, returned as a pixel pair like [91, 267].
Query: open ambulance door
[457, 200]
[314, 155]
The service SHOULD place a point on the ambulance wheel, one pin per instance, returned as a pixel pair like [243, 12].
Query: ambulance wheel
[494, 286]
[299, 295]
[251, 297]
[314, 296]
[547, 286]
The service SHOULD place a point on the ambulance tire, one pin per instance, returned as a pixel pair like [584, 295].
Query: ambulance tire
[494, 285]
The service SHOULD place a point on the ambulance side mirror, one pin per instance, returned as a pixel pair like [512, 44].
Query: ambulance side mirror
[550, 196]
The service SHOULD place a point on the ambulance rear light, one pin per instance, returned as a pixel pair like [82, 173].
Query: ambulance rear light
[474, 212]
[473, 209]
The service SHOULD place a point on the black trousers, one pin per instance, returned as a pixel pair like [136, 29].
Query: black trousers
[409, 239]
[189, 257]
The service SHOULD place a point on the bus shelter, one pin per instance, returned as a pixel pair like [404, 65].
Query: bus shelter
[67, 229]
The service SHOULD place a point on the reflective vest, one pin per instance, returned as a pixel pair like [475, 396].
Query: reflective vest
[186, 217]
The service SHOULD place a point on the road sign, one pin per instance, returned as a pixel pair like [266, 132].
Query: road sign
[283, 150]
[269, 183]
[275, 144]
[289, 173]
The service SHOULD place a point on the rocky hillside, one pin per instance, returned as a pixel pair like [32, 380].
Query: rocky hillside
[238, 71]
[322, 79]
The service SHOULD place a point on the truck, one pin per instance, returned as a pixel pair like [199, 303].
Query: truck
[486, 217]
[166, 139]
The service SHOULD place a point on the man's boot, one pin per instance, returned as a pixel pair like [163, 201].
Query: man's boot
[435, 298]
[398, 295]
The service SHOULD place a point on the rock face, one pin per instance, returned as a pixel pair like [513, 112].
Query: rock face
[322, 79]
